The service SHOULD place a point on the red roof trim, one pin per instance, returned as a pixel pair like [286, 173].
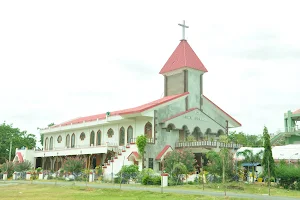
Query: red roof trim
[20, 157]
[135, 154]
[158, 157]
[179, 114]
[123, 112]
[222, 110]
[183, 56]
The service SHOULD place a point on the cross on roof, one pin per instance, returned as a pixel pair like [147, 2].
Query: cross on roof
[183, 29]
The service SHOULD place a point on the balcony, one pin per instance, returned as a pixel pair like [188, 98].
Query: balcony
[76, 150]
[207, 144]
[149, 140]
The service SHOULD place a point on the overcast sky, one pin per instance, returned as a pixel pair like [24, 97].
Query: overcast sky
[64, 59]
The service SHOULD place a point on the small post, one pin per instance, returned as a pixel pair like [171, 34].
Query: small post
[112, 172]
[10, 147]
[121, 179]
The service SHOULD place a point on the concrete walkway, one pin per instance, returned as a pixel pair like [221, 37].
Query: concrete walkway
[154, 189]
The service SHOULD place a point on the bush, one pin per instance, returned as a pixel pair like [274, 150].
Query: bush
[289, 176]
[8, 167]
[23, 166]
[151, 180]
[128, 172]
[73, 165]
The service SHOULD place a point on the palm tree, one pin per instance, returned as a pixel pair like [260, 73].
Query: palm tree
[250, 157]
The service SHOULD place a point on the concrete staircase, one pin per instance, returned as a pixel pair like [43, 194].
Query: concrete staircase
[114, 165]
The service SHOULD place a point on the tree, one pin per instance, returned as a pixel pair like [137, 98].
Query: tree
[267, 156]
[186, 157]
[73, 165]
[245, 140]
[141, 142]
[250, 157]
[18, 138]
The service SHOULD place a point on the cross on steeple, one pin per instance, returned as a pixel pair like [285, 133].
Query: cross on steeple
[183, 29]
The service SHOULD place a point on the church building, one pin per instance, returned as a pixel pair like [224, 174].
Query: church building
[183, 118]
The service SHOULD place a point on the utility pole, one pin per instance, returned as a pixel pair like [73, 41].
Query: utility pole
[269, 175]
[10, 150]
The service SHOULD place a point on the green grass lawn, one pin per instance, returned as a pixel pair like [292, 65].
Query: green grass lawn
[257, 188]
[49, 192]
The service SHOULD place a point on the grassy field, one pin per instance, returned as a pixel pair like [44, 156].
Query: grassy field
[47, 192]
[243, 188]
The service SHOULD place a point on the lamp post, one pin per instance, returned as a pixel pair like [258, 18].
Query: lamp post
[291, 157]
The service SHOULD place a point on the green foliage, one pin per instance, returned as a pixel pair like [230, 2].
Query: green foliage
[289, 176]
[7, 167]
[127, 172]
[179, 168]
[73, 165]
[190, 138]
[141, 142]
[18, 138]
[42, 139]
[186, 157]
[250, 157]
[245, 140]
[151, 180]
[215, 165]
[23, 166]
[267, 156]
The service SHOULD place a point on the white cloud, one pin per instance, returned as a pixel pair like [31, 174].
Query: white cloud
[63, 59]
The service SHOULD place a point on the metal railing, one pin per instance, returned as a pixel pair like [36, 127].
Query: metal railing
[207, 144]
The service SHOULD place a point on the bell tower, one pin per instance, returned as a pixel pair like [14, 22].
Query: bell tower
[183, 72]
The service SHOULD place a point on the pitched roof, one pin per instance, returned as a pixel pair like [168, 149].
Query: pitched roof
[138, 109]
[297, 111]
[158, 157]
[222, 110]
[135, 154]
[183, 56]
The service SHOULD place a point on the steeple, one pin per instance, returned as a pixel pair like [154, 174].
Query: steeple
[183, 72]
[183, 57]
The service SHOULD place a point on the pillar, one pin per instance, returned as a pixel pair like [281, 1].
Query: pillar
[5, 176]
[164, 180]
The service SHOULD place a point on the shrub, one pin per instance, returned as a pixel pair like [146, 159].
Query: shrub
[8, 167]
[73, 165]
[23, 166]
[151, 180]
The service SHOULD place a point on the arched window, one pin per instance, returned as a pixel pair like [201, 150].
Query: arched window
[148, 130]
[73, 141]
[99, 137]
[51, 144]
[59, 139]
[129, 134]
[82, 136]
[122, 136]
[110, 133]
[68, 141]
[92, 138]
[46, 143]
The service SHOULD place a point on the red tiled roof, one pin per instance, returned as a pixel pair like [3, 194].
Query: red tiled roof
[158, 157]
[222, 110]
[123, 112]
[183, 56]
[297, 111]
[179, 114]
[20, 157]
[135, 154]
